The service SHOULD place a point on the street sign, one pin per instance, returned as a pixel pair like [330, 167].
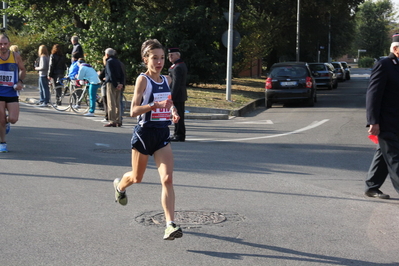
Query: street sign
[236, 38]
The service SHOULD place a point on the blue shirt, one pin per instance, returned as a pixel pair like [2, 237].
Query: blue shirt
[9, 73]
[73, 70]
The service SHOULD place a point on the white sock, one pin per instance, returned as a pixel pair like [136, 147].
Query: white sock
[120, 190]
[169, 223]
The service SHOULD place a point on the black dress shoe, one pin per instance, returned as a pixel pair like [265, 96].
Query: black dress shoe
[176, 139]
[376, 193]
[110, 125]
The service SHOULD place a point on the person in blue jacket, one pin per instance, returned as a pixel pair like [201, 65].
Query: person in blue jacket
[74, 69]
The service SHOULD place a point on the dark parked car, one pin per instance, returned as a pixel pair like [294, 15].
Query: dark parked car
[288, 82]
[324, 75]
[339, 70]
[347, 69]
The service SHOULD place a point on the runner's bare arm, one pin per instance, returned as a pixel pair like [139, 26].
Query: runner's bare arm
[136, 108]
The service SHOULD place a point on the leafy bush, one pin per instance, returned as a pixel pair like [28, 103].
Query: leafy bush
[366, 62]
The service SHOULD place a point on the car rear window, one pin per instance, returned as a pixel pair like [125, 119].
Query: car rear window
[317, 67]
[288, 71]
[344, 65]
[336, 65]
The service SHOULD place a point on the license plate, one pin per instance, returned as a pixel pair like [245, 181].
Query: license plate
[288, 83]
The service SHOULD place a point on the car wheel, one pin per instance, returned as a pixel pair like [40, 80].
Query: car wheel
[335, 84]
[348, 77]
[312, 100]
[330, 86]
[268, 104]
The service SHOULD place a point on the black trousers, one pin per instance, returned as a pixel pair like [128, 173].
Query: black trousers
[385, 161]
[180, 127]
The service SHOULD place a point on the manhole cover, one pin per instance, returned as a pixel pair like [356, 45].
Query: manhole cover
[189, 218]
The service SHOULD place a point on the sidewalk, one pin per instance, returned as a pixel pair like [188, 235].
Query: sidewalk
[30, 95]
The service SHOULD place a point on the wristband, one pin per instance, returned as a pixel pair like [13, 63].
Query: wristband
[152, 106]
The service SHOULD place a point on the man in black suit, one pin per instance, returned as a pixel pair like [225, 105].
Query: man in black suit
[77, 50]
[382, 105]
[178, 73]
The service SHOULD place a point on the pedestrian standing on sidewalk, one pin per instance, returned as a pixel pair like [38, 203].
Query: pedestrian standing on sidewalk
[178, 73]
[154, 109]
[114, 79]
[44, 91]
[382, 109]
[77, 50]
[57, 69]
[87, 72]
[11, 65]
[101, 75]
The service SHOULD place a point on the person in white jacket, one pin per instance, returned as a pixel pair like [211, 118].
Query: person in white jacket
[87, 72]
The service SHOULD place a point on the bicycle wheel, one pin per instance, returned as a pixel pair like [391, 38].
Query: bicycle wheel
[52, 92]
[67, 86]
[61, 103]
[79, 101]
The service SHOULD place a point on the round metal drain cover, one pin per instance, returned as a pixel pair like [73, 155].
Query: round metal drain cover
[190, 218]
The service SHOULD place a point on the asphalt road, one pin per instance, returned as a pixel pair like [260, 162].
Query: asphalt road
[282, 186]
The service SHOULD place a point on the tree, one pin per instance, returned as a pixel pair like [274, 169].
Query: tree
[373, 32]
[268, 29]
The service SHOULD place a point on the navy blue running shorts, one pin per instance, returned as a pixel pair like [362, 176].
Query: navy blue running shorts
[9, 99]
[148, 140]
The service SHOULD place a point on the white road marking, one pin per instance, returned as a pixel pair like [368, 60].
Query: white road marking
[360, 75]
[264, 122]
[102, 144]
[311, 126]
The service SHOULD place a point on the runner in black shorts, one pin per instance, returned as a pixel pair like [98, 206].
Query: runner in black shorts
[12, 73]
[9, 99]
[154, 109]
[148, 140]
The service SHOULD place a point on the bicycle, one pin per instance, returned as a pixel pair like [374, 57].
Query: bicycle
[80, 101]
[65, 86]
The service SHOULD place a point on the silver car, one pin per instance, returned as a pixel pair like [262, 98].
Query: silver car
[339, 70]
[347, 69]
[324, 74]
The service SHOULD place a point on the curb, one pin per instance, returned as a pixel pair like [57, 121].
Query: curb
[221, 114]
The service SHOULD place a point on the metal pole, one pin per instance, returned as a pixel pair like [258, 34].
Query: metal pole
[229, 51]
[329, 38]
[297, 31]
[4, 16]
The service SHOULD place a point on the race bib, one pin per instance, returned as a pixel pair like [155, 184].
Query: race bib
[160, 114]
[7, 78]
